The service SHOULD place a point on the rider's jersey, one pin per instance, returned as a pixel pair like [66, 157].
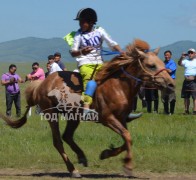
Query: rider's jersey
[94, 39]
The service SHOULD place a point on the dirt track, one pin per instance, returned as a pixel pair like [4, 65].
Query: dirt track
[43, 174]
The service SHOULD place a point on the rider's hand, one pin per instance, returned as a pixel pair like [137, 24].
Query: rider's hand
[86, 50]
[122, 53]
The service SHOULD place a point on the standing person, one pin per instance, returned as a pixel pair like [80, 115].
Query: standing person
[48, 70]
[53, 65]
[189, 84]
[151, 94]
[10, 80]
[134, 105]
[142, 96]
[169, 98]
[57, 59]
[37, 73]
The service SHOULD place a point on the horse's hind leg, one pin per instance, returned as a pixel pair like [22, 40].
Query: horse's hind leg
[58, 144]
[118, 127]
[68, 138]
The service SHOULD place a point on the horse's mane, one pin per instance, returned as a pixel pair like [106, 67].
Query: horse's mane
[114, 65]
[31, 91]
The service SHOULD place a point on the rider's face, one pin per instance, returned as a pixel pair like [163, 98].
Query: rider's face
[85, 26]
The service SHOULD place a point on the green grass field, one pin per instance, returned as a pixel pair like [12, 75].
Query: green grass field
[161, 143]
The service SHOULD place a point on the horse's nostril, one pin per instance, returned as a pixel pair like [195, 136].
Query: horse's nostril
[171, 85]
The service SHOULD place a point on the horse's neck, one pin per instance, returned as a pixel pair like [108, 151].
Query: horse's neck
[132, 81]
[122, 82]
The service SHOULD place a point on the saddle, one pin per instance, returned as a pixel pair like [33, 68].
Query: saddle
[73, 80]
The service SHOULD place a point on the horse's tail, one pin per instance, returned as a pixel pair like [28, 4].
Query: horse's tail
[18, 123]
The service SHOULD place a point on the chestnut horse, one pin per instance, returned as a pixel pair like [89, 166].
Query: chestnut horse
[118, 82]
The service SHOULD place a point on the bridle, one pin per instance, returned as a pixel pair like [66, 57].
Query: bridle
[138, 80]
[153, 76]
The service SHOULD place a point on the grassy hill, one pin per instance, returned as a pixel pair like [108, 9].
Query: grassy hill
[33, 49]
[36, 49]
[177, 48]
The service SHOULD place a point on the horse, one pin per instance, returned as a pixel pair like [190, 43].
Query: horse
[118, 81]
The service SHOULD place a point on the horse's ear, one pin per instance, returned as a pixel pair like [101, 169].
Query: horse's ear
[141, 53]
[156, 51]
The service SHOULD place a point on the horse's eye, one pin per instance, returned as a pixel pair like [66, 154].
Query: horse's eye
[152, 67]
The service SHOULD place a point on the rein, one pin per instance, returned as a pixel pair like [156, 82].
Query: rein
[103, 52]
[133, 77]
[139, 80]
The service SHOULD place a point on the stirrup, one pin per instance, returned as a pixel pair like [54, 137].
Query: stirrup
[88, 115]
[134, 116]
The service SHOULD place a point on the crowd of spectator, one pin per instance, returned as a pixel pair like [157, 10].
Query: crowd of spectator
[148, 95]
[11, 80]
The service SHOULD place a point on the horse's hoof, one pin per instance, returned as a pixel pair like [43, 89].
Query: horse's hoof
[83, 161]
[76, 174]
[104, 154]
[128, 171]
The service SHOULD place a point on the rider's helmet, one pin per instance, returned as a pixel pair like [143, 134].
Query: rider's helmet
[87, 14]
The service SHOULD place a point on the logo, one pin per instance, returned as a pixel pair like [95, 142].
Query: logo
[69, 105]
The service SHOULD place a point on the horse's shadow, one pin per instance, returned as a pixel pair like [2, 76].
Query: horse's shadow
[88, 176]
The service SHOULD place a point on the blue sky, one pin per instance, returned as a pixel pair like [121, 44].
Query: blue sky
[159, 22]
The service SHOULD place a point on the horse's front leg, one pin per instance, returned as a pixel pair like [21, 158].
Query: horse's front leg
[58, 144]
[119, 128]
[112, 152]
[68, 138]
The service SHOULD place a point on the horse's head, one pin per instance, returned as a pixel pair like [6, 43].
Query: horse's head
[139, 64]
[149, 67]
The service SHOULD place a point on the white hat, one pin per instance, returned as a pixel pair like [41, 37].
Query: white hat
[76, 70]
[192, 50]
